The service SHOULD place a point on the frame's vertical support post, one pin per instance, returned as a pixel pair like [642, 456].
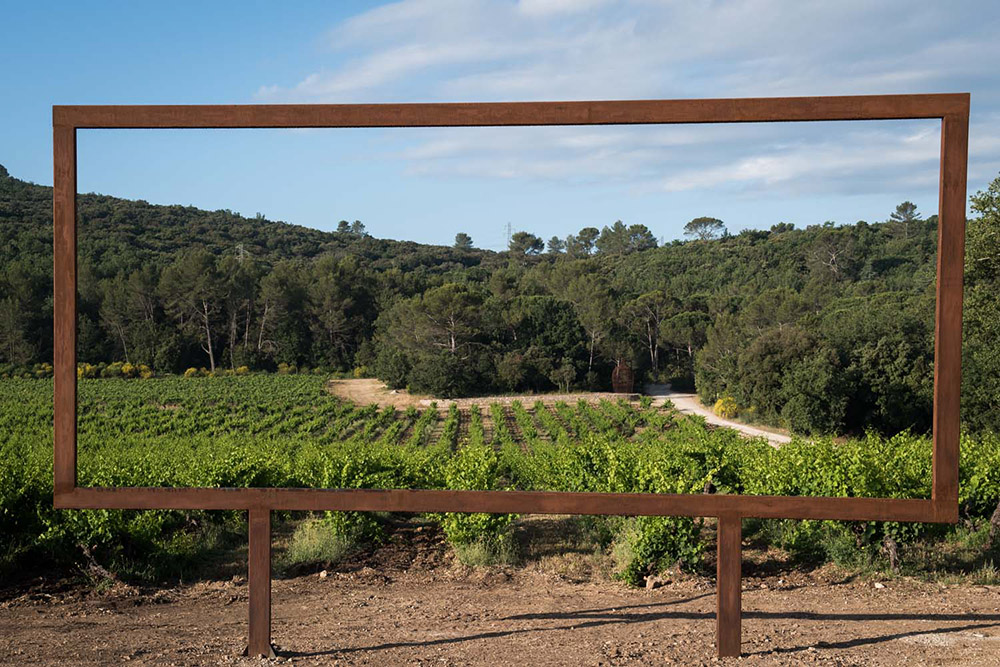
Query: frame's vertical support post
[728, 585]
[259, 581]
[948, 316]
[64, 313]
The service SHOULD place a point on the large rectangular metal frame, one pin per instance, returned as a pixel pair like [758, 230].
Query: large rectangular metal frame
[952, 109]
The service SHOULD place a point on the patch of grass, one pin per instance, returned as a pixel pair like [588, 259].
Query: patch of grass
[963, 555]
[987, 575]
[487, 551]
[314, 542]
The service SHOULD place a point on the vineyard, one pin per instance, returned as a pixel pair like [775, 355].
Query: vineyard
[288, 431]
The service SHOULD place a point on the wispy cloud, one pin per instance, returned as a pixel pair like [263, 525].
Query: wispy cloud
[416, 50]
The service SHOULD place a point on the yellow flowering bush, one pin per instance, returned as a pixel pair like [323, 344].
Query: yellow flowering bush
[726, 408]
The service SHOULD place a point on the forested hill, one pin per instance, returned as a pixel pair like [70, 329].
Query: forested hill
[823, 329]
[122, 235]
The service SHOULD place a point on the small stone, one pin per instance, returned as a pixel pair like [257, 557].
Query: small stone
[324, 574]
[879, 584]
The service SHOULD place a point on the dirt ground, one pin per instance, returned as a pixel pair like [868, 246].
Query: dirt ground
[410, 603]
[366, 390]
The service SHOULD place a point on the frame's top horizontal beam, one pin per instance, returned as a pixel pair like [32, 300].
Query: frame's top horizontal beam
[623, 112]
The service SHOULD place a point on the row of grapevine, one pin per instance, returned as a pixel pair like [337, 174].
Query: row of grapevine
[287, 431]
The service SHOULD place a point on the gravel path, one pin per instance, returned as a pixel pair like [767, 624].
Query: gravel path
[690, 405]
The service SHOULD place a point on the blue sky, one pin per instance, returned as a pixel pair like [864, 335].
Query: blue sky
[428, 184]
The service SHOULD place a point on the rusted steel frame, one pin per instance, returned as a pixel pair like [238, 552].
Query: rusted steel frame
[728, 583]
[259, 583]
[948, 316]
[745, 110]
[504, 502]
[953, 109]
[64, 305]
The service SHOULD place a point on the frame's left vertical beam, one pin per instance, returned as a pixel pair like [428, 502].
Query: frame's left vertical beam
[64, 315]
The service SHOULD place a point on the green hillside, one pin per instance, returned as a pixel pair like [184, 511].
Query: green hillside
[823, 329]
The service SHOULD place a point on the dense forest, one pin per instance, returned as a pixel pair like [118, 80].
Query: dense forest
[824, 329]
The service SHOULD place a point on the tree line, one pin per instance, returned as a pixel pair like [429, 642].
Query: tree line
[822, 329]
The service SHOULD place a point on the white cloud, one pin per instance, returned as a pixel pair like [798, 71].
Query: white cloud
[461, 50]
[549, 7]
[802, 164]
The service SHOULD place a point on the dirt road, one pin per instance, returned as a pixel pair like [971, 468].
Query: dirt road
[690, 405]
[368, 390]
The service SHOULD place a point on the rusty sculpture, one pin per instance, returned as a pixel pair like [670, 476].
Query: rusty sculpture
[622, 378]
[951, 109]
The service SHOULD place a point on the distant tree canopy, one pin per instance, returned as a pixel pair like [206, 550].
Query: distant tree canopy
[826, 329]
[620, 240]
[903, 218]
[582, 244]
[523, 243]
[356, 228]
[705, 228]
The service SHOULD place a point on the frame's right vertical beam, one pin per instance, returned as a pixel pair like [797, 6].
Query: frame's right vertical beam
[64, 300]
[948, 319]
[729, 585]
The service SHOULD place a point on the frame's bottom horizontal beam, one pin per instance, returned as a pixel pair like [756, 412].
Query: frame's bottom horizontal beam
[513, 502]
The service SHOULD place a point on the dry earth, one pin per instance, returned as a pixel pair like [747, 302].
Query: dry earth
[364, 391]
[409, 603]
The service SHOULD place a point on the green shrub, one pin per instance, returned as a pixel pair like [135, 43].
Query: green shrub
[316, 542]
[113, 370]
[647, 545]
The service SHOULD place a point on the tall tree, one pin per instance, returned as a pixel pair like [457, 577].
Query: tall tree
[640, 238]
[192, 292]
[902, 219]
[463, 241]
[614, 239]
[442, 319]
[524, 243]
[115, 310]
[240, 279]
[283, 334]
[556, 245]
[14, 347]
[358, 229]
[705, 228]
[582, 244]
[645, 316]
[594, 307]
